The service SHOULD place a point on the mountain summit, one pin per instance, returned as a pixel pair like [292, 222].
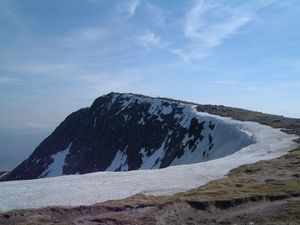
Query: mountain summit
[122, 132]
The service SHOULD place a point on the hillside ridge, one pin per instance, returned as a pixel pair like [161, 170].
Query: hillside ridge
[122, 132]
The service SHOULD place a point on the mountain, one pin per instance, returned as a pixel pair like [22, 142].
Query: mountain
[3, 173]
[122, 132]
[266, 180]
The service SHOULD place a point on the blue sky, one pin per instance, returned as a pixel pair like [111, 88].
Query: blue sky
[57, 56]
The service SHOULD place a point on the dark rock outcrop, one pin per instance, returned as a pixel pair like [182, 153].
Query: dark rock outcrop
[121, 132]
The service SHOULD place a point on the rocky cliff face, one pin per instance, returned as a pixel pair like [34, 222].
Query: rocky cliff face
[122, 132]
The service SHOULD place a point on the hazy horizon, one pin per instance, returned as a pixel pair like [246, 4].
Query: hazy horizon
[18, 144]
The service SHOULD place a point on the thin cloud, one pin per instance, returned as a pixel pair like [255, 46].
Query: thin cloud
[128, 8]
[38, 125]
[83, 36]
[149, 40]
[92, 34]
[189, 54]
[210, 24]
[207, 25]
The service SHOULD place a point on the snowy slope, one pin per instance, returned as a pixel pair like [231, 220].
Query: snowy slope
[3, 174]
[56, 167]
[217, 139]
[91, 188]
[122, 132]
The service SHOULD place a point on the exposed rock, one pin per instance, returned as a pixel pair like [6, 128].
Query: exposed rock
[122, 132]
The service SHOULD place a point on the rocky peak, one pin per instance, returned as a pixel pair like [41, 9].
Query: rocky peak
[122, 132]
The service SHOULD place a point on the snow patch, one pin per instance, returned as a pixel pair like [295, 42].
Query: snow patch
[2, 175]
[113, 99]
[188, 113]
[126, 101]
[56, 167]
[167, 110]
[119, 162]
[125, 118]
[226, 138]
[153, 161]
[141, 121]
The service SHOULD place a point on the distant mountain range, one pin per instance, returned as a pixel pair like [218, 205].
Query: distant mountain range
[122, 132]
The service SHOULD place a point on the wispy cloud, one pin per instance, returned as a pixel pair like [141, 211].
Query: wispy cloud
[128, 8]
[92, 34]
[190, 53]
[72, 56]
[84, 35]
[149, 40]
[37, 125]
[207, 25]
